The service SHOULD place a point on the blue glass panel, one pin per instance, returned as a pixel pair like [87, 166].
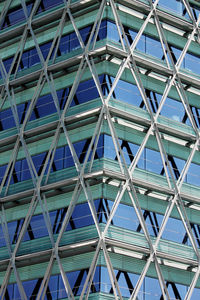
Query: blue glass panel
[29, 287]
[38, 161]
[174, 231]
[103, 30]
[2, 172]
[174, 6]
[44, 106]
[33, 57]
[141, 45]
[64, 46]
[7, 63]
[153, 47]
[192, 63]
[59, 159]
[52, 290]
[85, 33]
[17, 172]
[74, 42]
[38, 226]
[25, 172]
[86, 91]
[16, 16]
[81, 216]
[68, 160]
[22, 109]
[193, 174]
[112, 33]
[173, 109]
[2, 239]
[61, 289]
[7, 119]
[45, 49]
[62, 97]
[153, 161]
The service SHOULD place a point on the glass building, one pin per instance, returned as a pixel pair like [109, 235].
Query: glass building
[99, 149]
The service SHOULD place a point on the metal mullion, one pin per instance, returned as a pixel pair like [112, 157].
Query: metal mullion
[77, 80]
[19, 50]
[111, 273]
[136, 207]
[88, 195]
[53, 93]
[26, 222]
[29, 161]
[73, 202]
[189, 11]
[19, 283]
[5, 230]
[57, 37]
[116, 144]
[130, 169]
[4, 11]
[187, 164]
[71, 147]
[180, 59]
[188, 110]
[38, 89]
[34, 9]
[193, 283]
[12, 255]
[98, 20]
[96, 78]
[65, 280]
[186, 223]
[90, 275]
[11, 162]
[159, 141]
[51, 153]
[96, 134]
[3, 99]
[45, 281]
[153, 120]
[163, 42]
[126, 60]
[46, 217]
[119, 25]
[13, 107]
[146, 233]
[164, 290]
[186, 105]
[76, 29]
[39, 52]
[141, 278]
[5, 280]
[5, 77]
[177, 191]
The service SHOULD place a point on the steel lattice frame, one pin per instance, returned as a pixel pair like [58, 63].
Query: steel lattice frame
[127, 186]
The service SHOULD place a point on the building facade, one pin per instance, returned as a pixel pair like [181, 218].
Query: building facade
[99, 149]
